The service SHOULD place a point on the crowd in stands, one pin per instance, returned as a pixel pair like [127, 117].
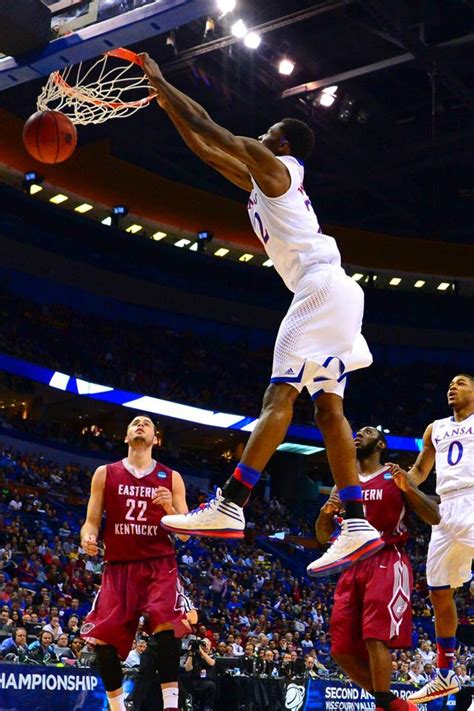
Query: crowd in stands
[254, 601]
[54, 336]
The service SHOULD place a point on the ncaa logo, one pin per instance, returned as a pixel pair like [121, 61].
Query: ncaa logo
[162, 475]
[294, 697]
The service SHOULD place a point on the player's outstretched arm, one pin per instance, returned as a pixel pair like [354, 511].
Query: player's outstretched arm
[424, 506]
[269, 172]
[95, 510]
[228, 166]
[425, 460]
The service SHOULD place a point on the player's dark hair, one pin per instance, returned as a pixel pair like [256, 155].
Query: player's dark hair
[300, 137]
[465, 375]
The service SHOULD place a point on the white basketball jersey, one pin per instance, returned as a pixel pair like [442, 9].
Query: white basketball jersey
[454, 445]
[289, 230]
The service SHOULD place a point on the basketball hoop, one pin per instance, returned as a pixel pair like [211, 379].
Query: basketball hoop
[104, 91]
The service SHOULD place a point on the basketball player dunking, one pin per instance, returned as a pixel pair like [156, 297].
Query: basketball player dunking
[141, 572]
[449, 443]
[319, 341]
[372, 608]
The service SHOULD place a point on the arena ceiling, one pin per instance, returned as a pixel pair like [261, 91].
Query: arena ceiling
[395, 151]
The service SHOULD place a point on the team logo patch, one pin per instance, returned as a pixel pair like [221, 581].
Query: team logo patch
[162, 475]
[294, 697]
[87, 627]
[387, 475]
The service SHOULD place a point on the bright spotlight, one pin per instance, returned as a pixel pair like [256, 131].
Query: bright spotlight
[252, 40]
[328, 96]
[225, 6]
[286, 67]
[239, 29]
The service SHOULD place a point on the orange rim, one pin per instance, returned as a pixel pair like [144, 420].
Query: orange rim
[120, 53]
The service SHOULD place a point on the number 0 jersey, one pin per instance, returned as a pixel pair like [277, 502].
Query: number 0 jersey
[289, 229]
[132, 521]
[454, 445]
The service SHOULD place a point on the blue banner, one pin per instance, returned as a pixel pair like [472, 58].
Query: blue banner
[340, 696]
[35, 688]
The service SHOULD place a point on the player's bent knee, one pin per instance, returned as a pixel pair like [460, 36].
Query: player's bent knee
[168, 651]
[442, 597]
[108, 663]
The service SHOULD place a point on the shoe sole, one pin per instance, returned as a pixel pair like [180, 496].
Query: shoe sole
[365, 551]
[208, 533]
[433, 697]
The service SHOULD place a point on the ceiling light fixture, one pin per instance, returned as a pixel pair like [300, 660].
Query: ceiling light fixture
[286, 67]
[252, 40]
[239, 29]
[225, 6]
[85, 207]
[419, 283]
[58, 199]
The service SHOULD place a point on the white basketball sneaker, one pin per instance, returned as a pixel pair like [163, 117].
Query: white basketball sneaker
[357, 540]
[441, 685]
[218, 518]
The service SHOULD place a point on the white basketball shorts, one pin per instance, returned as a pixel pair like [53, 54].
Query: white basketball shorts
[319, 341]
[451, 548]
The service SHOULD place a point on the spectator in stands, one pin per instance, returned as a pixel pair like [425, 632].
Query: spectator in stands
[461, 673]
[77, 645]
[218, 587]
[416, 674]
[16, 644]
[6, 623]
[310, 669]
[266, 664]
[73, 626]
[62, 649]
[133, 658]
[42, 649]
[248, 661]
[54, 627]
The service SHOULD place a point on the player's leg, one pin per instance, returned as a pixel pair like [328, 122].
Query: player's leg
[448, 566]
[272, 426]
[223, 517]
[380, 661]
[357, 669]
[358, 539]
[340, 450]
[446, 622]
[110, 669]
[168, 650]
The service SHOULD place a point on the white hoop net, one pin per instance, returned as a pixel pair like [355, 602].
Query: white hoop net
[108, 89]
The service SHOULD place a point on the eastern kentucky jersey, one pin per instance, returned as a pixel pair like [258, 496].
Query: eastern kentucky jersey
[454, 445]
[385, 506]
[289, 229]
[132, 521]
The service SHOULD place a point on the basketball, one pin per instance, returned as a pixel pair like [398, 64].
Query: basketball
[50, 136]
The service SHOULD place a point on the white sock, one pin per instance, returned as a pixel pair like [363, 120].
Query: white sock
[117, 703]
[170, 697]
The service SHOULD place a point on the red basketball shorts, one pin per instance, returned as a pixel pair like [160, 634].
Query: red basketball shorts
[372, 601]
[129, 590]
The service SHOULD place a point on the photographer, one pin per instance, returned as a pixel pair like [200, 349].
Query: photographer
[201, 664]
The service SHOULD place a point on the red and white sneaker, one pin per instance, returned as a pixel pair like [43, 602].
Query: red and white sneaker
[441, 685]
[357, 540]
[218, 518]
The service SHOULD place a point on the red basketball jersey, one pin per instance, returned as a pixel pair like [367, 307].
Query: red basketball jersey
[132, 521]
[385, 506]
